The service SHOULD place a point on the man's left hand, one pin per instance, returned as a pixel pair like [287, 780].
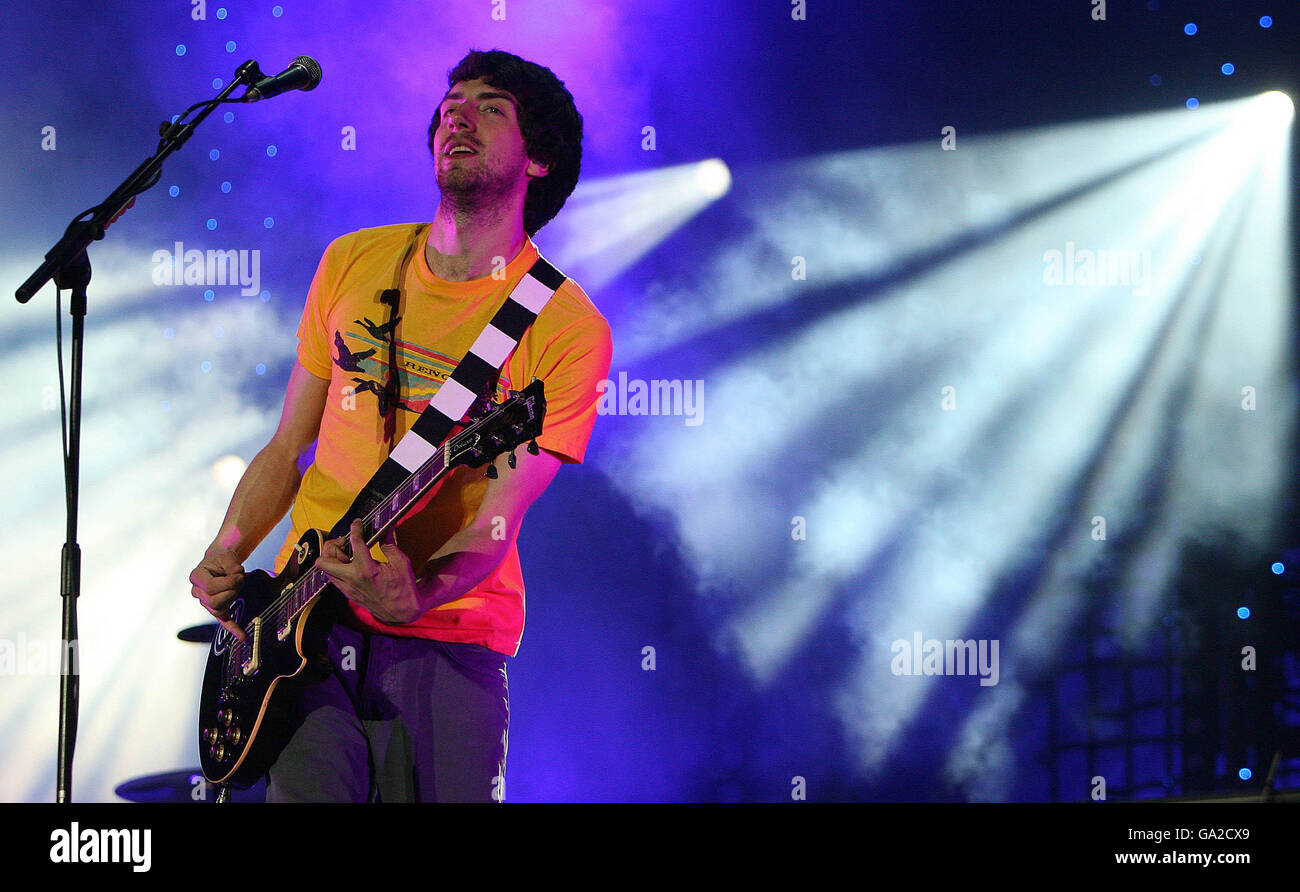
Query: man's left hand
[387, 590]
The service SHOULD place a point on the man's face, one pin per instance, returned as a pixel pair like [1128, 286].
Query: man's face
[478, 148]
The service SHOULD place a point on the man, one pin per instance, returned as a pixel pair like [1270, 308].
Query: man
[416, 705]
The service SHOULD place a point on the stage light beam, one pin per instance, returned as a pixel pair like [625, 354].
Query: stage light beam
[609, 224]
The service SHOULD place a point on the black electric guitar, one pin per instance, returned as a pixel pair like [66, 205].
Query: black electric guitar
[250, 686]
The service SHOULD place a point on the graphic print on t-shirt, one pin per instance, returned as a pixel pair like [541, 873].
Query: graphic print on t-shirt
[420, 371]
[347, 360]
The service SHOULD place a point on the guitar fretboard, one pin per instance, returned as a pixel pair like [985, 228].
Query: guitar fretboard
[515, 421]
[311, 584]
[383, 515]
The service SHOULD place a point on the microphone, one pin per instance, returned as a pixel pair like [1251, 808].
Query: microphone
[303, 73]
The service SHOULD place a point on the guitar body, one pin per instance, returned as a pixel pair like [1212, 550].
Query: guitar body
[246, 705]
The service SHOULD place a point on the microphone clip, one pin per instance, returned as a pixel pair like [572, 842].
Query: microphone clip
[249, 73]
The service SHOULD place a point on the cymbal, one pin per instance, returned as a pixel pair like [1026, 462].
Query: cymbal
[183, 786]
[200, 634]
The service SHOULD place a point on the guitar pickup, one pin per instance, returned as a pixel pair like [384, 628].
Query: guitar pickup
[254, 660]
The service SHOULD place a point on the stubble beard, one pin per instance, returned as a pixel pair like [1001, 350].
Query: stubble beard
[472, 194]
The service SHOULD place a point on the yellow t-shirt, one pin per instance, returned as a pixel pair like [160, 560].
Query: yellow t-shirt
[344, 337]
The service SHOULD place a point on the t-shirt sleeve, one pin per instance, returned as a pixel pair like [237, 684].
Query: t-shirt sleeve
[572, 364]
[315, 351]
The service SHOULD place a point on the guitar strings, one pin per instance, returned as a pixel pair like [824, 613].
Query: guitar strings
[236, 652]
[311, 581]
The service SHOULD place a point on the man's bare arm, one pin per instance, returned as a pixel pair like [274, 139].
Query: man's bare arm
[471, 554]
[264, 494]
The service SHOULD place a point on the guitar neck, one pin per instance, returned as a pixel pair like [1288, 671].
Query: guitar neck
[384, 514]
[512, 423]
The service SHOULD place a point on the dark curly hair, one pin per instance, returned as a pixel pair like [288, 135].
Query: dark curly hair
[548, 120]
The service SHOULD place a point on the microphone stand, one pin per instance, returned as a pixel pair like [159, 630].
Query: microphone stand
[68, 264]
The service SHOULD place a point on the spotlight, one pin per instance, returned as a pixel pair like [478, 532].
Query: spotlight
[1278, 106]
[713, 177]
[227, 470]
[608, 224]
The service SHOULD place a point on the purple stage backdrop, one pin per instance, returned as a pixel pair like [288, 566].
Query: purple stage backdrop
[947, 449]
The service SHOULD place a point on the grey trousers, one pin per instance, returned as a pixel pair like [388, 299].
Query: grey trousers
[398, 720]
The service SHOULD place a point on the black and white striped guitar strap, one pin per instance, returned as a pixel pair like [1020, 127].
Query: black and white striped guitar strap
[471, 377]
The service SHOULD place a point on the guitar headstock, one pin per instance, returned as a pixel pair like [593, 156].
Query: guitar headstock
[516, 421]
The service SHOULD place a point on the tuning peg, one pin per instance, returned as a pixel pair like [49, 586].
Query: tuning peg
[510, 459]
[532, 447]
[491, 471]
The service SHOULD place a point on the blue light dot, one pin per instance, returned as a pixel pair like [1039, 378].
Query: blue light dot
[173, 191]
[206, 366]
[268, 222]
[169, 333]
[1243, 613]
[165, 405]
[1193, 102]
[180, 49]
[1227, 68]
[209, 295]
[214, 154]
[228, 117]
[217, 83]
[1189, 29]
[265, 296]
[1245, 774]
[212, 222]
[225, 187]
[277, 11]
[271, 151]
[260, 368]
[221, 13]
[219, 332]
[1196, 260]
[1266, 21]
[1155, 80]
[1278, 568]
[230, 46]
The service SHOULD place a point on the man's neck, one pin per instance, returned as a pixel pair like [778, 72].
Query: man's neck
[463, 246]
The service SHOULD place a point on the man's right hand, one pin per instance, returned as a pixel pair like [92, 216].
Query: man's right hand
[215, 582]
